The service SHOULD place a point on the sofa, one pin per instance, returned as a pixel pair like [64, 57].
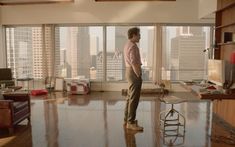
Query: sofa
[14, 108]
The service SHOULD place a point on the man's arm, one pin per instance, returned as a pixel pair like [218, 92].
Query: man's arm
[135, 61]
[137, 69]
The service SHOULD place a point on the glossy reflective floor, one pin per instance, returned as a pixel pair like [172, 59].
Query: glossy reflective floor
[96, 120]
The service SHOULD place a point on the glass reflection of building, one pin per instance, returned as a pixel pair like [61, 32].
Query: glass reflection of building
[51, 123]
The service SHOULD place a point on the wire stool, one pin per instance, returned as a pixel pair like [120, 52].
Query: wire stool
[172, 122]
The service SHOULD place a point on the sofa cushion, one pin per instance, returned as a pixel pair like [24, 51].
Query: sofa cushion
[39, 92]
[19, 105]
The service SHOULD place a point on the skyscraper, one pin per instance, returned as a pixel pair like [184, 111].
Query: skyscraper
[187, 57]
[119, 64]
[19, 51]
[78, 52]
[114, 66]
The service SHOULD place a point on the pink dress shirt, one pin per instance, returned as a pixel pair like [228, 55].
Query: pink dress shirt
[131, 54]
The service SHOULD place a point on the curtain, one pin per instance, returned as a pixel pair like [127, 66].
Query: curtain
[48, 51]
[157, 64]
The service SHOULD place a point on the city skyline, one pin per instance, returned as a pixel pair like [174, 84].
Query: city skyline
[79, 51]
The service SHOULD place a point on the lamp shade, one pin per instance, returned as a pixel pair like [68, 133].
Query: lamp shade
[232, 58]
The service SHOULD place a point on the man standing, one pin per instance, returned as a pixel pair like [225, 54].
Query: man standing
[133, 75]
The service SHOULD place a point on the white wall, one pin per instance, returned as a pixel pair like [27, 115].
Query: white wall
[207, 8]
[89, 11]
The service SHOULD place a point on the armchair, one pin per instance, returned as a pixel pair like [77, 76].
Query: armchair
[14, 108]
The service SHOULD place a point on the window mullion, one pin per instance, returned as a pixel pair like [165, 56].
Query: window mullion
[158, 54]
[104, 54]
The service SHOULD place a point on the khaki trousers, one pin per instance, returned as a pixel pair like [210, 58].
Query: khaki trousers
[133, 95]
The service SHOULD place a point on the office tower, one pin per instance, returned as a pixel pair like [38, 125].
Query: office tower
[45, 57]
[19, 51]
[26, 54]
[146, 52]
[187, 55]
[84, 60]
[119, 65]
[78, 52]
[114, 66]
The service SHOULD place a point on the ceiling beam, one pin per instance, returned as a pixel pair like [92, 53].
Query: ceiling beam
[129, 0]
[30, 2]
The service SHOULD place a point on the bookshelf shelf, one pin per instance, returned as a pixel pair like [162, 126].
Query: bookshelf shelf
[225, 7]
[226, 25]
[227, 43]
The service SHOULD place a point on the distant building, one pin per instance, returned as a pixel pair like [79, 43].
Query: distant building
[187, 57]
[78, 52]
[114, 66]
[19, 51]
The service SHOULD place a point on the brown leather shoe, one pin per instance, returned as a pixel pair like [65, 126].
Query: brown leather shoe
[134, 127]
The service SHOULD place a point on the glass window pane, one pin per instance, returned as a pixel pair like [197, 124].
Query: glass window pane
[79, 51]
[116, 39]
[24, 51]
[183, 52]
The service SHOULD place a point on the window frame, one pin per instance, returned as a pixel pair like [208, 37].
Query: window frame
[158, 47]
[212, 35]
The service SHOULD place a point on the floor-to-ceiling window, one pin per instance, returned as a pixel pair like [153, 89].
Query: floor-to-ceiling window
[30, 51]
[24, 45]
[183, 52]
[96, 52]
[79, 52]
[115, 40]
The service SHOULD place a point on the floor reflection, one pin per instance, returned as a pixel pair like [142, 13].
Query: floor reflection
[22, 136]
[51, 123]
[79, 101]
[96, 120]
[130, 137]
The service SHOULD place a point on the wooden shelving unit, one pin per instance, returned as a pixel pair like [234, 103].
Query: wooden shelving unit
[225, 41]
[225, 23]
[227, 6]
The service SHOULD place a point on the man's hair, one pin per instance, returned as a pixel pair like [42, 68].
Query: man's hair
[133, 31]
